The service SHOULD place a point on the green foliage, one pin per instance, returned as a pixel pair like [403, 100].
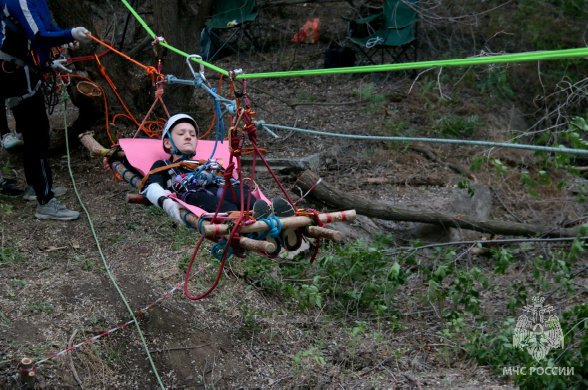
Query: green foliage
[400, 128]
[4, 320]
[477, 163]
[40, 308]
[111, 355]
[250, 315]
[499, 167]
[10, 255]
[85, 263]
[503, 258]
[6, 168]
[517, 296]
[358, 277]
[375, 100]
[457, 126]
[456, 289]
[495, 82]
[363, 279]
[465, 184]
[309, 357]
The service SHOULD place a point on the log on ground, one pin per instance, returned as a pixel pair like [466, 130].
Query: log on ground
[338, 199]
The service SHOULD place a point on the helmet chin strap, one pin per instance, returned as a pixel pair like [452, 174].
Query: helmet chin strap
[177, 151]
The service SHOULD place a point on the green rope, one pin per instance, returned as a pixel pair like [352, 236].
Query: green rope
[504, 58]
[559, 149]
[95, 235]
[139, 19]
[197, 60]
[166, 45]
[495, 59]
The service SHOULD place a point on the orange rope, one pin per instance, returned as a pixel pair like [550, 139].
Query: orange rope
[114, 89]
[148, 69]
[112, 141]
[150, 128]
[158, 95]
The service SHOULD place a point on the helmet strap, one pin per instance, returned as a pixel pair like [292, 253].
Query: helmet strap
[177, 151]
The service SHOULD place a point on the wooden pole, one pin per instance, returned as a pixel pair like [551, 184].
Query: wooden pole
[96, 150]
[215, 230]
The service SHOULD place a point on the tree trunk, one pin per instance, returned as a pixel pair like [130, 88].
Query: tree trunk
[382, 210]
[179, 22]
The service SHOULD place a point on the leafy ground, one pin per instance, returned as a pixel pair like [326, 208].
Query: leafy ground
[375, 312]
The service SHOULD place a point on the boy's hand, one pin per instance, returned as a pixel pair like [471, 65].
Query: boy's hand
[172, 209]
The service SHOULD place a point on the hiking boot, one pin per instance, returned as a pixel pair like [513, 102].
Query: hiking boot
[282, 208]
[29, 192]
[8, 187]
[55, 210]
[261, 209]
[12, 140]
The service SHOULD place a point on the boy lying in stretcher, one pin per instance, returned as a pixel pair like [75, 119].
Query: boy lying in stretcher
[198, 184]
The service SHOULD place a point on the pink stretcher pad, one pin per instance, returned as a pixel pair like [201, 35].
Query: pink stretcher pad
[143, 152]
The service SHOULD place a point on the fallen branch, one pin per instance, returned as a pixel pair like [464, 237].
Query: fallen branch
[383, 210]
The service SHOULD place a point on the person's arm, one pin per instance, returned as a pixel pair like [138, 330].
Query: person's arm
[155, 190]
[35, 20]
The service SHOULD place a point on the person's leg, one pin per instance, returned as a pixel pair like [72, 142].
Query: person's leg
[31, 119]
[233, 195]
[207, 201]
[3, 119]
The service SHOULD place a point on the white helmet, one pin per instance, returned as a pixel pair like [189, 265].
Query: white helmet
[171, 122]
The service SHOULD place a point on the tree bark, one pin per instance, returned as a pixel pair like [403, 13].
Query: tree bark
[180, 22]
[384, 210]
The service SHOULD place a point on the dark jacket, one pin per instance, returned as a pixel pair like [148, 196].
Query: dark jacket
[27, 25]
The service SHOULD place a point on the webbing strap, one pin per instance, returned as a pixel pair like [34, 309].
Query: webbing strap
[182, 164]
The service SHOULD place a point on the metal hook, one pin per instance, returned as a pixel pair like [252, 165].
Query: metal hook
[189, 62]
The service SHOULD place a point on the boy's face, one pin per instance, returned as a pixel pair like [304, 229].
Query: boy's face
[184, 137]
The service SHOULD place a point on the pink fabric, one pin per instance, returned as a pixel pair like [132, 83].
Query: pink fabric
[143, 152]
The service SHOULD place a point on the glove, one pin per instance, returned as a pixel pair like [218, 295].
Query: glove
[58, 65]
[80, 34]
[172, 209]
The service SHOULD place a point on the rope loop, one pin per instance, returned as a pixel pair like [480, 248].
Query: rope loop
[218, 249]
[200, 225]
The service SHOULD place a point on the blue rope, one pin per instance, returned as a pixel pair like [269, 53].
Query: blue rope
[219, 124]
[559, 149]
[218, 249]
[133, 178]
[201, 225]
[275, 227]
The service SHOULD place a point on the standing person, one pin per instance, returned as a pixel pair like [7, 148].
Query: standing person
[27, 35]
